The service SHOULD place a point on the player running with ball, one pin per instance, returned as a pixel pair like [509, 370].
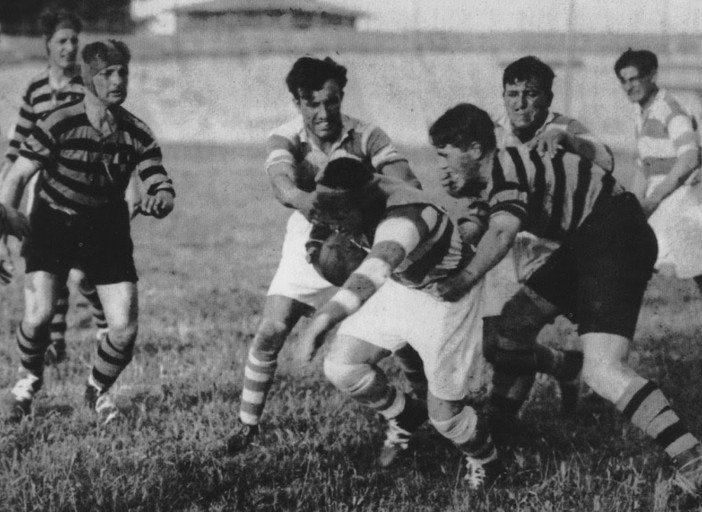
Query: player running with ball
[390, 299]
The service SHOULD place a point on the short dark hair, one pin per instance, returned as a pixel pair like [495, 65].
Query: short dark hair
[529, 68]
[462, 125]
[50, 20]
[109, 52]
[346, 174]
[309, 74]
[645, 61]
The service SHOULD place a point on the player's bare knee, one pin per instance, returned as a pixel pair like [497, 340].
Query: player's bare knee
[37, 317]
[122, 335]
[600, 374]
[354, 379]
[269, 337]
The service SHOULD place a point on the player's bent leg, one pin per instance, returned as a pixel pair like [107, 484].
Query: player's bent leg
[351, 365]
[40, 290]
[413, 368]
[468, 430]
[280, 315]
[114, 351]
[88, 290]
[510, 345]
[56, 351]
[643, 403]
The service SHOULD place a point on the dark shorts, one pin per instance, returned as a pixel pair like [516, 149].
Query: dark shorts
[599, 274]
[99, 243]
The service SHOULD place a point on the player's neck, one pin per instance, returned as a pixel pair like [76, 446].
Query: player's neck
[99, 114]
[648, 100]
[58, 76]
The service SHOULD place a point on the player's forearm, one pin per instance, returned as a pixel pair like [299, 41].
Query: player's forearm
[591, 149]
[401, 170]
[676, 177]
[14, 183]
[492, 248]
[361, 285]
[286, 192]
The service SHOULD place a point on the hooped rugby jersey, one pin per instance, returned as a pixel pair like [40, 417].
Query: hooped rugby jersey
[290, 144]
[81, 169]
[39, 99]
[552, 197]
[664, 132]
[440, 254]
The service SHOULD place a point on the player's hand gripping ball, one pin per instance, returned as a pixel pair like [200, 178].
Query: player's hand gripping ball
[339, 255]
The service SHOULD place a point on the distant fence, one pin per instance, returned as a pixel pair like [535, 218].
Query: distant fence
[344, 41]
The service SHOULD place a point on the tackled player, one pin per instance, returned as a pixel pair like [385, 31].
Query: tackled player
[390, 299]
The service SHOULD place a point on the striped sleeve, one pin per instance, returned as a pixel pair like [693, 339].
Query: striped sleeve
[40, 145]
[508, 193]
[23, 129]
[280, 150]
[682, 134]
[378, 146]
[149, 164]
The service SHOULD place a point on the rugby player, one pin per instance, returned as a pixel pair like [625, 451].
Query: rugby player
[59, 83]
[529, 122]
[668, 155]
[298, 151]
[85, 151]
[597, 275]
[390, 299]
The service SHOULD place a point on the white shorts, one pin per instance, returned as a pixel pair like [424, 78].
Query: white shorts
[295, 277]
[677, 223]
[447, 335]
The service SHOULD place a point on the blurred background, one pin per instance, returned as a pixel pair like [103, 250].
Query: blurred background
[212, 71]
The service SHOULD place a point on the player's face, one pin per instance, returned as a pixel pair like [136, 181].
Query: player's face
[111, 84]
[62, 48]
[321, 111]
[638, 88]
[461, 171]
[527, 105]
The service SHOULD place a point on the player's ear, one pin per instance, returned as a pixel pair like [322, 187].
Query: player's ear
[475, 150]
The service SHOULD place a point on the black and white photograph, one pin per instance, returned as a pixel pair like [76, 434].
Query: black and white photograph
[351, 255]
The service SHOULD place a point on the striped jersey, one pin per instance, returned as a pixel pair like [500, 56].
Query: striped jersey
[440, 254]
[81, 169]
[506, 138]
[290, 144]
[664, 131]
[551, 197]
[40, 98]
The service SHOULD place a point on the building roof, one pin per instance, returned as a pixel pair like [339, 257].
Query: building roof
[223, 6]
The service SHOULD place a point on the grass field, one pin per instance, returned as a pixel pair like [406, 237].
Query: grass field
[204, 271]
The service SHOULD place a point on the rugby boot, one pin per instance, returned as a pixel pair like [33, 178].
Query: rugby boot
[20, 400]
[400, 428]
[102, 402]
[688, 475]
[245, 436]
[482, 463]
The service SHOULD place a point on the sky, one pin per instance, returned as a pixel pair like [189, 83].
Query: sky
[513, 15]
[659, 16]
